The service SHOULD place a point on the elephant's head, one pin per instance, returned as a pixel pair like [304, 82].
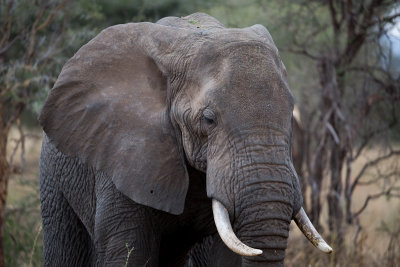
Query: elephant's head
[140, 101]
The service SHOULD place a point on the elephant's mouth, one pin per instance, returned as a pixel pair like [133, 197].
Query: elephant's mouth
[224, 227]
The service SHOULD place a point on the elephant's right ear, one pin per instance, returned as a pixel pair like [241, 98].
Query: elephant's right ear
[109, 108]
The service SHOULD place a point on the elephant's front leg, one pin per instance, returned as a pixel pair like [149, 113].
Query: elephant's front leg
[124, 230]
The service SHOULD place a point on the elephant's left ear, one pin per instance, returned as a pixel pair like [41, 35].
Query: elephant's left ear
[109, 109]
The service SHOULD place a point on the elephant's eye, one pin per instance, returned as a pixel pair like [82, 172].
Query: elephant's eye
[208, 120]
[209, 116]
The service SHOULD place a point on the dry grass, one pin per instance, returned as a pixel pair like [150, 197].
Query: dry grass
[373, 247]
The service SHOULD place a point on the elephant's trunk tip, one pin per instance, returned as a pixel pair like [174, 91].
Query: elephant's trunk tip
[308, 229]
[225, 231]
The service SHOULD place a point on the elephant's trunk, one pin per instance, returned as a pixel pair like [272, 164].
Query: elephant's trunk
[262, 221]
[258, 186]
[224, 228]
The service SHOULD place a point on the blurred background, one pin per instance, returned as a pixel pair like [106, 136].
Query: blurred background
[343, 64]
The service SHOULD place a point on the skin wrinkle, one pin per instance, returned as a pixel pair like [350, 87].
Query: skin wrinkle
[243, 216]
[268, 207]
[273, 198]
[262, 233]
[189, 137]
[192, 134]
[276, 245]
[59, 210]
[270, 198]
[62, 166]
[249, 184]
[118, 231]
[264, 174]
[216, 154]
[257, 234]
[236, 152]
[267, 166]
[266, 140]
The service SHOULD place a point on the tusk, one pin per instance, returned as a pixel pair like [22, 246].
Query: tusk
[296, 116]
[305, 225]
[224, 227]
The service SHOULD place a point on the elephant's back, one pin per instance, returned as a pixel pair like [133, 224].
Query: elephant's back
[68, 176]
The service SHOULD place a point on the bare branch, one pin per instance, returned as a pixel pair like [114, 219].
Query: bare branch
[372, 197]
[366, 138]
[22, 139]
[380, 177]
[335, 22]
[385, 20]
[20, 142]
[50, 17]
[371, 164]
[32, 36]
[301, 52]
[333, 132]
[351, 19]
[14, 151]
[15, 115]
[357, 36]
[359, 228]
[8, 45]
[5, 91]
[6, 27]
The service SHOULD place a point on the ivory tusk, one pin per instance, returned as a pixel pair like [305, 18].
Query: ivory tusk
[224, 227]
[296, 116]
[305, 225]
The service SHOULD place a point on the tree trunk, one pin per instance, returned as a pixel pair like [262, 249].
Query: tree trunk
[316, 185]
[4, 174]
[335, 219]
[332, 123]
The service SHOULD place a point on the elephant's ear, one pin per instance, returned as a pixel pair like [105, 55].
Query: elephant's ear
[109, 108]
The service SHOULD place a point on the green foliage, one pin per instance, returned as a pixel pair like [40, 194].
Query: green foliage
[35, 48]
[123, 11]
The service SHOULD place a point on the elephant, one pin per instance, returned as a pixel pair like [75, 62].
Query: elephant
[168, 144]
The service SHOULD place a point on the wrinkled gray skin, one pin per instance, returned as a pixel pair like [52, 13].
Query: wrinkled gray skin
[149, 122]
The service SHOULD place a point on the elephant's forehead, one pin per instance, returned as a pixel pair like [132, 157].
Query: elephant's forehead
[264, 101]
[250, 87]
[240, 61]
